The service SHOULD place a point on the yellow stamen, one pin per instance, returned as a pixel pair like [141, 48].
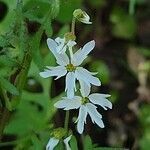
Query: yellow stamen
[84, 100]
[70, 67]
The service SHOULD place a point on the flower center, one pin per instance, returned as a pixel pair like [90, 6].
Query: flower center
[70, 67]
[59, 133]
[84, 100]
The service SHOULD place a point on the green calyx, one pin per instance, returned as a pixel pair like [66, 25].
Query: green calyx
[84, 100]
[59, 133]
[79, 14]
[70, 36]
[70, 67]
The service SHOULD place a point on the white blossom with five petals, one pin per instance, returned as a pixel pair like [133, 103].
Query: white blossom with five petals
[71, 67]
[86, 105]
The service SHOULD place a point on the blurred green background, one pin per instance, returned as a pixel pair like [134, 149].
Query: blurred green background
[121, 29]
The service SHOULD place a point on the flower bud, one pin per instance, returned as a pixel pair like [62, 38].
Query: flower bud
[82, 16]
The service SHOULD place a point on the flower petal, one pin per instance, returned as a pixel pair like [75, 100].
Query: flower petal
[85, 88]
[66, 141]
[52, 143]
[61, 48]
[96, 117]
[62, 59]
[81, 119]
[70, 84]
[80, 55]
[58, 71]
[45, 74]
[52, 45]
[68, 104]
[71, 43]
[86, 76]
[100, 99]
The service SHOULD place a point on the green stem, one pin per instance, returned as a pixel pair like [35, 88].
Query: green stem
[73, 25]
[21, 79]
[132, 4]
[66, 121]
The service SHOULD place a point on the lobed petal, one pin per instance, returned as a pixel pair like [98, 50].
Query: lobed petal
[62, 59]
[100, 99]
[81, 119]
[86, 76]
[52, 45]
[52, 143]
[66, 141]
[45, 74]
[96, 117]
[84, 88]
[58, 71]
[68, 104]
[70, 84]
[80, 55]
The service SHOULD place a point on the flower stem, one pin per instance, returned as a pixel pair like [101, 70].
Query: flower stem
[66, 121]
[73, 25]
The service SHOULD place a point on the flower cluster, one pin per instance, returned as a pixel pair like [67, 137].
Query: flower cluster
[69, 64]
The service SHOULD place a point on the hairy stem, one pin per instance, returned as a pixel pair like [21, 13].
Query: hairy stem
[73, 25]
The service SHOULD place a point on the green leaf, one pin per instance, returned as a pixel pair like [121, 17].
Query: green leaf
[60, 146]
[144, 116]
[5, 61]
[55, 6]
[35, 49]
[66, 10]
[144, 141]
[73, 143]
[4, 42]
[48, 28]
[8, 86]
[87, 143]
[37, 145]
[9, 18]
[35, 10]
[124, 25]
[109, 148]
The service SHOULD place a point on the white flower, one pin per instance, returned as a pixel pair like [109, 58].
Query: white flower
[70, 67]
[86, 105]
[52, 143]
[62, 44]
[82, 16]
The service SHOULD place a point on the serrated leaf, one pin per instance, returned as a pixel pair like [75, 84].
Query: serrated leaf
[8, 86]
[35, 49]
[36, 10]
